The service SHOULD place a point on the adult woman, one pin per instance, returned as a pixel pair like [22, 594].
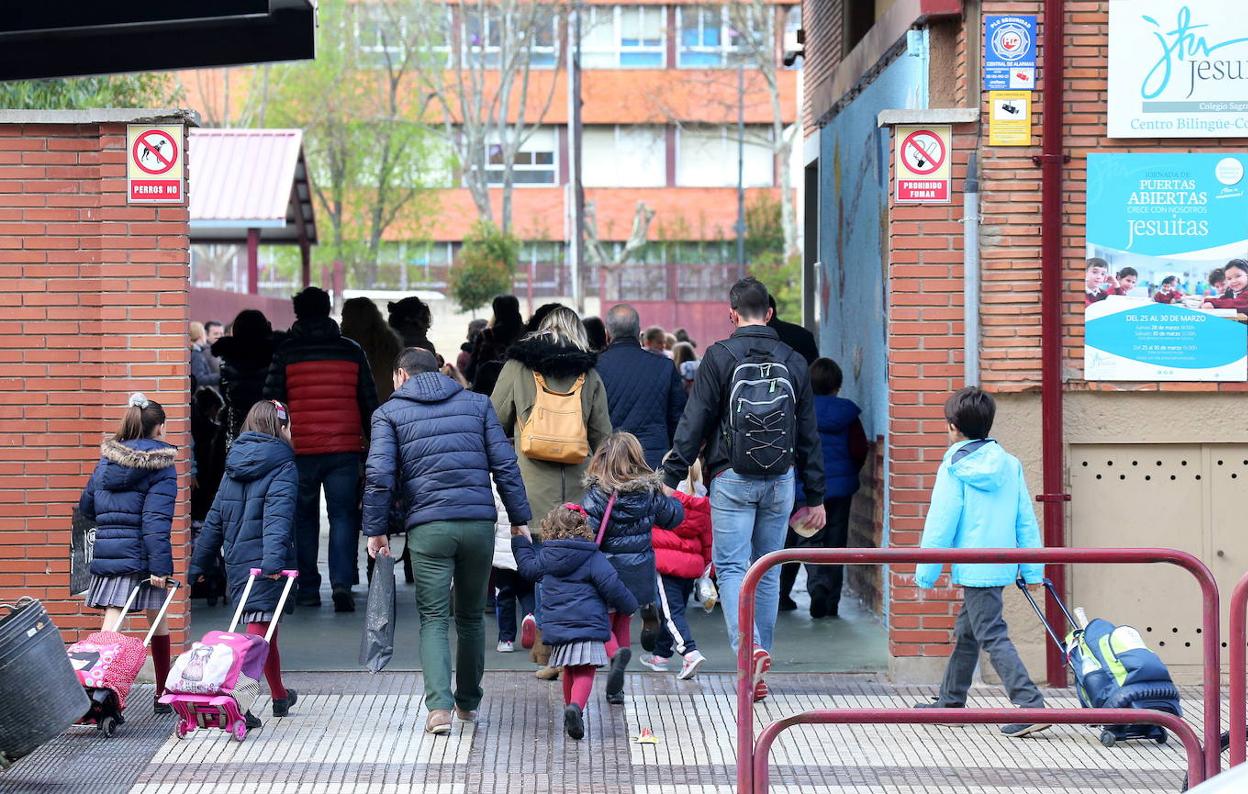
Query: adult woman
[245, 357]
[559, 352]
[490, 350]
[686, 360]
[362, 322]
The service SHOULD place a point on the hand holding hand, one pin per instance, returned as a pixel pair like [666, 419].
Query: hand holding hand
[522, 530]
[378, 544]
[667, 491]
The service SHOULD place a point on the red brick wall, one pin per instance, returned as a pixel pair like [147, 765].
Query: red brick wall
[823, 22]
[92, 307]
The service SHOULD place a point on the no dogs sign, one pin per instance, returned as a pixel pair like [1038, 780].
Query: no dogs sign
[921, 164]
[155, 164]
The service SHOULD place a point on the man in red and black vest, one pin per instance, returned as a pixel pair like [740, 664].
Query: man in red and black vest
[325, 379]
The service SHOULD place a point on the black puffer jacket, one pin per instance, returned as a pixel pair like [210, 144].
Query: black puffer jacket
[645, 394]
[131, 498]
[578, 586]
[639, 507]
[252, 520]
[244, 368]
[436, 445]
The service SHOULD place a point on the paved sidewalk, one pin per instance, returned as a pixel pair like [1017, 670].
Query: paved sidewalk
[355, 732]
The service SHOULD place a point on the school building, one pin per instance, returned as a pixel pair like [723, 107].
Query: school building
[1116, 139]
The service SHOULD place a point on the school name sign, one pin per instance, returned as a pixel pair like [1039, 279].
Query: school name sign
[1178, 69]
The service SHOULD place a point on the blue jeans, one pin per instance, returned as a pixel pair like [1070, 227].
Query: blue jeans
[750, 516]
[339, 473]
[512, 587]
[677, 592]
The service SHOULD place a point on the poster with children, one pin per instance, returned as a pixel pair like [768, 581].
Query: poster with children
[1166, 272]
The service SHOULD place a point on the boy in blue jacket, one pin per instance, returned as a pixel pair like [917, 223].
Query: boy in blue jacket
[980, 501]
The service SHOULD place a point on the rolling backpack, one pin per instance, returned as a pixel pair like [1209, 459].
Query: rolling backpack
[760, 423]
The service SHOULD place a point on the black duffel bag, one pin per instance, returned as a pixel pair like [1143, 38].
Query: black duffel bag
[39, 692]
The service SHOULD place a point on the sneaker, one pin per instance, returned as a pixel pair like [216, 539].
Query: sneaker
[761, 664]
[439, 722]
[615, 677]
[281, 706]
[787, 604]
[649, 627]
[656, 663]
[689, 668]
[343, 600]
[573, 722]
[528, 632]
[160, 708]
[936, 704]
[506, 646]
[252, 721]
[1018, 730]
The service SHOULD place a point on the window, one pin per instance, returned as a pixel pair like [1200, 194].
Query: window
[624, 37]
[624, 157]
[859, 18]
[707, 157]
[380, 36]
[534, 163]
[707, 40]
[486, 34]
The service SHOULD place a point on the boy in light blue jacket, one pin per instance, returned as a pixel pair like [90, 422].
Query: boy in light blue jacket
[980, 501]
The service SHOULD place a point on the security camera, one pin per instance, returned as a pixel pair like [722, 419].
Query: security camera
[794, 46]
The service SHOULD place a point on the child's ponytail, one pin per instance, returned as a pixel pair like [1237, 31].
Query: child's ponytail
[141, 418]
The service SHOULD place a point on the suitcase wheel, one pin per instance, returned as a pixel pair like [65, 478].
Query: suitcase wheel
[107, 726]
[240, 730]
[182, 729]
[1108, 738]
[1161, 737]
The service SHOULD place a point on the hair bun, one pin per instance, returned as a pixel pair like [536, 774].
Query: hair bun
[138, 400]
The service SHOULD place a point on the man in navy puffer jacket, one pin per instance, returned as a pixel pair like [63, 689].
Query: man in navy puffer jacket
[435, 445]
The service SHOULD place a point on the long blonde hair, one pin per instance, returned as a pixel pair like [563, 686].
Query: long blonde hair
[563, 327]
[619, 461]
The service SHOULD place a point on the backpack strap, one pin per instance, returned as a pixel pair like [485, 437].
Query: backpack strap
[541, 384]
[606, 519]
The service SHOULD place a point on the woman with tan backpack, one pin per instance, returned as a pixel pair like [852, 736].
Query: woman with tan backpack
[550, 399]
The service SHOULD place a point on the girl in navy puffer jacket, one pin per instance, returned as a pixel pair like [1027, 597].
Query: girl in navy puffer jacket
[252, 517]
[619, 468]
[130, 497]
[578, 584]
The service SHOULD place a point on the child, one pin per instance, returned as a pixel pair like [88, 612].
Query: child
[1094, 287]
[980, 501]
[252, 518]
[619, 468]
[511, 587]
[1217, 283]
[681, 556]
[1236, 295]
[1169, 291]
[1128, 277]
[578, 585]
[131, 494]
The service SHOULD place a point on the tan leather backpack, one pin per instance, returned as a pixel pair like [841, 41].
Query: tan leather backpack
[555, 431]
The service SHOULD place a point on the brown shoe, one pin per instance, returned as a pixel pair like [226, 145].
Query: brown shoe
[549, 673]
[465, 716]
[439, 722]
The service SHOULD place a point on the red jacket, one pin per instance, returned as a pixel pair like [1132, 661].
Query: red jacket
[1231, 301]
[1162, 297]
[684, 552]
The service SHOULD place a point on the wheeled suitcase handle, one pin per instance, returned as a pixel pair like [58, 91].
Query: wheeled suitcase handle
[171, 592]
[134, 593]
[281, 602]
[1078, 627]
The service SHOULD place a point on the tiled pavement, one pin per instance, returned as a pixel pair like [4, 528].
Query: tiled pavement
[354, 732]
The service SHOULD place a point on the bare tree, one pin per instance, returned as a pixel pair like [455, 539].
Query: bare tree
[501, 61]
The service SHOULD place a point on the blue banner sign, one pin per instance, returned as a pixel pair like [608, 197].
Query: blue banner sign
[1009, 52]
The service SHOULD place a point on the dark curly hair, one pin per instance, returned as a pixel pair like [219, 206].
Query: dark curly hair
[564, 523]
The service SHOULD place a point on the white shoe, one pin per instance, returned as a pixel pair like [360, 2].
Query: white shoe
[506, 647]
[693, 660]
[656, 663]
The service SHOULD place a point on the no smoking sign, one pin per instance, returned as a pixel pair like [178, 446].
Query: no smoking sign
[921, 164]
[155, 164]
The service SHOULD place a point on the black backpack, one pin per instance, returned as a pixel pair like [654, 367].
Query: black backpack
[760, 418]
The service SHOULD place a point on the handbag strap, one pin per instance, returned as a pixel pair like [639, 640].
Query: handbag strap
[606, 519]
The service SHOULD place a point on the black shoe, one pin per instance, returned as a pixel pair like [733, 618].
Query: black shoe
[160, 708]
[343, 600]
[1018, 730]
[252, 721]
[615, 677]
[649, 627]
[281, 707]
[936, 704]
[573, 722]
[308, 598]
[819, 602]
[787, 604]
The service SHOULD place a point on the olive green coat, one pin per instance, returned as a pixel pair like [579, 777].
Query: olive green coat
[547, 484]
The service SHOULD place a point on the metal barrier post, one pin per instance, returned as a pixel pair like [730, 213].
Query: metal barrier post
[746, 758]
[1239, 641]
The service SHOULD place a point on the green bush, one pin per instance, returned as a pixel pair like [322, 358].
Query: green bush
[485, 268]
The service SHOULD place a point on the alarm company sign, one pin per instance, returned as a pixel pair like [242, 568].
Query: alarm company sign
[1178, 69]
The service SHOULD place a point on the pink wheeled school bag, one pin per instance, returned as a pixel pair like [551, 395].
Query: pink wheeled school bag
[107, 662]
[216, 682]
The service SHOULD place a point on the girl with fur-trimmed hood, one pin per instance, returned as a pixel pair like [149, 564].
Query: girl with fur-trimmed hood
[130, 497]
[619, 468]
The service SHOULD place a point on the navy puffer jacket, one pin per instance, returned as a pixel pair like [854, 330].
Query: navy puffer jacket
[435, 445]
[252, 520]
[578, 587]
[645, 395]
[640, 506]
[130, 497]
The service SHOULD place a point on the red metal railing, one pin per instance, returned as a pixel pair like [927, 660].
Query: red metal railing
[748, 753]
[1239, 644]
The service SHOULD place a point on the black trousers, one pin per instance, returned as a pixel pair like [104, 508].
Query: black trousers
[822, 581]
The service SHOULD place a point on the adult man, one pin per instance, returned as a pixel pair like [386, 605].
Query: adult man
[202, 373]
[214, 331]
[655, 340]
[750, 510]
[434, 447]
[644, 391]
[793, 335]
[325, 379]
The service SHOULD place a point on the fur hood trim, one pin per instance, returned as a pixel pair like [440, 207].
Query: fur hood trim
[551, 360]
[646, 482]
[148, 459]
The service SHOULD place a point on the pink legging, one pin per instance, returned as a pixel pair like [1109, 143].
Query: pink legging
[578, 682]
[620, 638]
[272, 664]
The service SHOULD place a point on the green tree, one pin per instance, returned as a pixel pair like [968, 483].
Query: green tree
[486, 266]
[764, 250]
[123, 90]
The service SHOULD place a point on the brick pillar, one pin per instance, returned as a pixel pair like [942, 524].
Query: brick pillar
[93, 306]
[925, 355]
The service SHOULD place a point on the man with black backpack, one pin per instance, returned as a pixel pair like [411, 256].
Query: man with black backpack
[752, 414]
